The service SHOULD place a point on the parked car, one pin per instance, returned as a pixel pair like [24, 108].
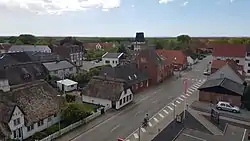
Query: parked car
[206, 72]
[226, 106]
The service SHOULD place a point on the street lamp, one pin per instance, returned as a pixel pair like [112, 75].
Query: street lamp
[185, 100]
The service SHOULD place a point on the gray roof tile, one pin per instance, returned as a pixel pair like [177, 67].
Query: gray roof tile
[52, 66]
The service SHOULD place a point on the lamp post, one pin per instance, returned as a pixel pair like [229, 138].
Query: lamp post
[185, 100]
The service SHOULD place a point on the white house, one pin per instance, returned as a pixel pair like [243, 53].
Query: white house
[108, 92]
[61, 68]
[112, 59]
[191, 60]
[67, 85]
[27, 113]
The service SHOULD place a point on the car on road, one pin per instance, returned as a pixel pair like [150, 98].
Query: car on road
[226, 106]
[206, 73]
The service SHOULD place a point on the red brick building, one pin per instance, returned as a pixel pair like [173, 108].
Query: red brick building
[175, 57]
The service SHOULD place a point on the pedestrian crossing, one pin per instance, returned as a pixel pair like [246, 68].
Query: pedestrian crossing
[167, 110]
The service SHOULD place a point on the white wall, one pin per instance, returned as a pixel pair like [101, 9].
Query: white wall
[112, 61]
[66, 88]
[63, 72]
[25, 133]
[4, 85]
[241, 60]
[124, 96]
[190, 60]
[104, 102]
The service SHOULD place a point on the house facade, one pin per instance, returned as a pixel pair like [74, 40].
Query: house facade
[4, 47]
[108, 92]
[247, 63]
[29, 48]
[112, 59]
[136, 80]
[222, 89]
[60, 68]
[99, 46]
[33, 108]
[153, 65]
[236, 52]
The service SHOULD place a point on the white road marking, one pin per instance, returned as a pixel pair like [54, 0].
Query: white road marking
[193, 137]
[183, 96]
[244, 134]
[156, 120]
[187, 94]
[180, 99]
[117, 126]
[194, 89]
[150, 124]
[136, 135]
[173, 104]
[178, 102]
[154, 101]
[165, 111]
[161, 115]
[191, 90]
[170, 108]
[143, 129]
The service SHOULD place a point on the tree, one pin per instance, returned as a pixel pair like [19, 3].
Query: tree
[75, 112]
[28, 39]
[12, 39]
[184, 39]
[122, 49]
[158, 46]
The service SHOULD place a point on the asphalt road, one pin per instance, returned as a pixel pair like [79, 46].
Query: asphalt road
[151, 101]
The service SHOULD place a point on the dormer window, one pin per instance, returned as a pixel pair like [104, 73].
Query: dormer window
[17, 121]
[129, 77]
[135, 76]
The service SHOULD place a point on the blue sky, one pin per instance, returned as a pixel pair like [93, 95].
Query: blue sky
[125, 17]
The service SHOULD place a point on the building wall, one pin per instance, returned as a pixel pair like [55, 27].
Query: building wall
[110, 61]
[4, 85]
[64, 72]
[94, 100]
[77, 58]
[215, 97]
[240, 59]
[140, 86]
[67, 88]
[126, 97]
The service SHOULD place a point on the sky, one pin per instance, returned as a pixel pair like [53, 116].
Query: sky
[123, 18]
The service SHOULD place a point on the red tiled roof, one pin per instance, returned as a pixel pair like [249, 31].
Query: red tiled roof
[170, 55]
[228, 50]
[93, 45]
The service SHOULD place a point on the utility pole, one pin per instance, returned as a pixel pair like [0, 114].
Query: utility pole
[139, 133]
[185, 100]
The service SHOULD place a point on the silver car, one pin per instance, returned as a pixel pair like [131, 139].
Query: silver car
[226, 106]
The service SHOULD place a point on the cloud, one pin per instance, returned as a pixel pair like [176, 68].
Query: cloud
[59, 6]
[185, 3]
[132, 5]
[165, 1]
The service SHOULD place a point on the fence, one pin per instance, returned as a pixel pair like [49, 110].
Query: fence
[73, 126]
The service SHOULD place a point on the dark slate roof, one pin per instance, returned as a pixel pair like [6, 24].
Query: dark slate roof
[127, 72]
[33, 48]
[104, 88]
[12, 58]
[112, 55]
[37, 99]
[57, 65]
[139, 37]
[43, 57]
[14, 73]
[224, 83]
[2, 74]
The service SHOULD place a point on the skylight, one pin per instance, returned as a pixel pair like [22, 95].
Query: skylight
[135, 76]
[129, 78]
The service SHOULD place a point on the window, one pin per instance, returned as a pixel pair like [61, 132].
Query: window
[237, 61]
[55, 115]
[129, 77]
[127, 98]
[124, 99]
[130, 96]
[120, 101]
[31, 127]
[116, 62]
[141, 85]
[222, 104]
[70, 69]
[135, 76]
[16, 121]
[107, 61]
[40, 123]
[248, 64]
[15, 135]
[248, 53]
[113, 62]
[248, 71]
